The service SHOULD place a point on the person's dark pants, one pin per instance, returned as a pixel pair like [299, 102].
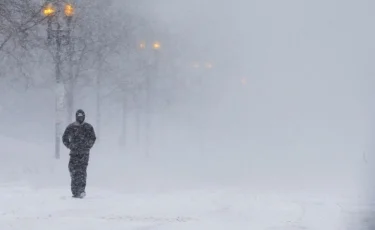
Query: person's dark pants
[78, 172]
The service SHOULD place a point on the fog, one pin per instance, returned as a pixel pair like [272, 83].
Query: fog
[287, 104]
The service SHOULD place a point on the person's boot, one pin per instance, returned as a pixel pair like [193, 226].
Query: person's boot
[82, 195]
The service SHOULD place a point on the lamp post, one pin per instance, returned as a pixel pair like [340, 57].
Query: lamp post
[200, 70]
[58, 36]
[152, 70]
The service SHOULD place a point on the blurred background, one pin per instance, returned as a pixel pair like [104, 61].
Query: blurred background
[274, 94]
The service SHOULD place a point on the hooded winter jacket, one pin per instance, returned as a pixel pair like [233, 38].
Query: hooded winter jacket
[79, 137]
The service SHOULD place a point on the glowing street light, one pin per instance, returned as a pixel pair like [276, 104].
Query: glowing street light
[156, 45]
[69, 10]
[49, 10]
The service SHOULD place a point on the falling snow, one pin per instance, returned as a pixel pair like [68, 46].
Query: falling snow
[198, 115]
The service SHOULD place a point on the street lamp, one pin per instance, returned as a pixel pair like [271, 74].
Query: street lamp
[156, 45]
[49, 10]
[69, 10]
[152, 70]
[58, 37]
[199, 80]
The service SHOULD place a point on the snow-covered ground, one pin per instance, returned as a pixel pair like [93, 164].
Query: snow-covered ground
[28, 208]
[34, 194]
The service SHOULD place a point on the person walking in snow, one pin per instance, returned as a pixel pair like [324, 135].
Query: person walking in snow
[79, 137]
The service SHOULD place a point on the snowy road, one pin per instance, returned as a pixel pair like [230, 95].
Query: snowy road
[34, 195]
[235, 209]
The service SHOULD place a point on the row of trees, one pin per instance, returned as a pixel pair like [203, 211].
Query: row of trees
[109, 51]
[104, 53]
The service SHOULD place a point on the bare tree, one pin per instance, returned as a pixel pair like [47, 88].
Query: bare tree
[17, 19]
[98, 34]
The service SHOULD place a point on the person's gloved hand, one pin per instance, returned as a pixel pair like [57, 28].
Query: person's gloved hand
[90, 143]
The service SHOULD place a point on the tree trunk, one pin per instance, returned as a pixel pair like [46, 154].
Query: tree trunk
[137, 125]
[124, 117]
[60, 91]
[70, 104]
[98, 103]
[71, 84]
[148, 113]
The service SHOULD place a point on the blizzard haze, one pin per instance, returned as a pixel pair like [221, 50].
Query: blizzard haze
[300, 120]
[285, 105]
[249, 114]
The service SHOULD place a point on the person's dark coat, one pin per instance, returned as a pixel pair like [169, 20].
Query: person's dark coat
[79, 138]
